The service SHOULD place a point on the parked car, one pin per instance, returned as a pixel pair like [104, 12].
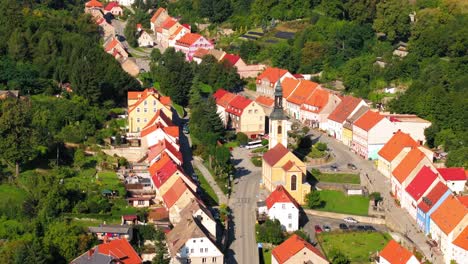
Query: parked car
[352, 166]
[186, 129]
[361, 228]
[369, 228]
[343, 227]
[318, 229]
[334, 168]
[350, 220]
[326, 228]
[352, 227]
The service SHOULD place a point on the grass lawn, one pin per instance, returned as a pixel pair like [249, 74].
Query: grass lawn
[11, 195]
[266, 256]
[338, 202]
[339, 178]
[179, 109]
[212, 199]
[357, 246]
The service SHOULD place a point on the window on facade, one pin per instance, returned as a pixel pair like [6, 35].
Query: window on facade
[280, 128]
[138, 110]
[213, 260]
[203, 260]
[289, 225]
[145, 110]
[250, 111]
[154, 110]
[201, 250]
[154, 102]
[293, 183]
[194, 241]
[256, 111]
[145, 103]
[289, 216]
[145, 120]
[206, 250]
[141, 202]
[191, 250]
[187, 251]
[283, 206]
[138, 120]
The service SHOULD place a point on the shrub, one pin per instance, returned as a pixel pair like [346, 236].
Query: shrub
[270, 232]
[321, 146]
[242, 138]
[264, 142]
[313, 200]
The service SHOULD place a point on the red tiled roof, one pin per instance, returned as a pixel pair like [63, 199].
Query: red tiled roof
[187, 26]
[394, 253]
[111, 44]
[318, 98]
[161, 146]
[225, 99]
[164, 174]
[111, 5]
[93, 3]
[129, 217]
[156, 15]
[265, 101]
[272, 74]
[141, 96]
[169, 22]
[231, 58]
[288, 85]
[172, 131]
[462, 239]
[238, 104]
[368, 120]
[453, 174]
[200, 53]
[298, 76]
[219, 93]
[409, 162]
[160, 114]
[160, 213]
[302, 92]
[174, 193]
[421, 182]
[188, 39]
[165, 100]
[463, 200]
[274, 155]
[432, 197]
[449, 214]
[135, 95]
[156, 166]
[291, 247]
[280, 195]
[396, 144]
[120, 249]
[344, 109]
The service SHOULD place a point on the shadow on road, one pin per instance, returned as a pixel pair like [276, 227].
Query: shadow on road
[231, 237]
[241, 172]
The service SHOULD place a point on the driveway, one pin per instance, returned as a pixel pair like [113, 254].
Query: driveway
[243, 247]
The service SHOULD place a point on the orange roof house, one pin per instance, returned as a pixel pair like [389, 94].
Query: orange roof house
[289, 85]
[396, 144]
[408, 164]
[344, 110]
[302, 92]
[368, 120]
[115, 251]
[462, 239]
[265, 101]
[158, 18]
[94, 3]
[296, 250]
[280, 195]
[188, 39]
[318, 100]
[394, 253]
[449, 215]
[225, 99]
[272, 75]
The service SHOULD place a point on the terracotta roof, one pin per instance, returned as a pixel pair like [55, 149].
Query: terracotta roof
[302, 92]
[274, 155]
[111, 5]
[463, 200]
[462, 239]
[238, 104]
[219, 93]
[129, 217]
[272, 74]
[225, 99]
[280, 195]
[93, 3]
[176, 32]
[162, 116]
[172, 131]
[265, 101]
[174, 193]
[409, 162]
[156, 15]
[449, 214]
[288, 85]
[188, 39]
[432, 197]
[161, 176]
[368, 120]
[453, 174]
[421, 182]
[156, 166]
[349, 121]
[396, 144]
[110, 45]
[121, 250]
[200, 53]
[291, 247]
[394, 253]
[165, 100]
[344, 109]
[318, 98]
[187, 26]
[169, 22]
[135, 95]
[231, 58]
[163, 145]
[158, 214]
[288, 166]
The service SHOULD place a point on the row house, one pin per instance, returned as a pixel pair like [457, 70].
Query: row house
[152, 134]
[394, 253]
[455, 178]
[316, 109]
[411, 124]
[345, 109]
[158, 18]
[347, 132]
[222, 99]
[178, 33]
[113, 8]
[282, 206]
[370, 133]
[169, 27]
[296, 250]
[267, 103]
[459, 251]
[164, 146]
[297, 98]
[176, 198]
[267, 80]
[429, 203]
[94, 8]
[289, 85]
[246, 116]
[190, 42]
[115, 48]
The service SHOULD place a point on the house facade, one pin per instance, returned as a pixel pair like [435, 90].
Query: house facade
[144, 39]
[345, 109]
[282, 206]
[267, 80]
[190, 42]
[394, 253]
[246, 116]
[316, 109]
[394, 151]
[455, 178]
[113, 8]
[347, 132]
[298, 97]
[158, 18]
[296, 250]
[410, 124]
[429, 203]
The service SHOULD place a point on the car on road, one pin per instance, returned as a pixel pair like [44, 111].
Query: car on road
[350, 220]
[186, 129]
[352, 166]
[334, 167]
[343, 227]
[369, 228]
[326, 228]
[361, 228]
[318, 229]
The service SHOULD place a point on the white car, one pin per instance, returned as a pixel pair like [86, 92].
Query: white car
[350, 220]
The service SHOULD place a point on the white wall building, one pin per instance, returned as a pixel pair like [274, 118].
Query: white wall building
[282, 206]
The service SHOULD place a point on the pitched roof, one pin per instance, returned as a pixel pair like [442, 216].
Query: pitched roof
[118, 250]
[188, 39]
[272, 74]
[161, 176]
[291, 247]
[231, 58]
[463, 200]
[160, 147]
[174, 193]
[219, 93]
[288, 85]
[157, 13]
[273, 155]
[449, 214]
[238, 104]
[394, 253]
[225, 99]
[93, 3]
[156, 166]
[200, 53]
[462, 239]
[176, 32]
[160, 115]
[344, 109]
[218, 54]
[368, 120]
[396, 144]
[409, 162]
[432, 197]
[302, 92]
[453, 174]
[318, 98]
[265, 101]
[111, 44]
[421, 182]
[350, 120]
[169, 22]
[111, 5]
[158, 214]
[280, 195]
[172, 131]
[141, 97]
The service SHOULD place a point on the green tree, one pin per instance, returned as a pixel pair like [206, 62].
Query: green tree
[393, 19]
[362, 11]
[17, 46]
[242, 138]
[313, 200]
[270, 232]
[458, 158]
[130, 32]
[337, 257]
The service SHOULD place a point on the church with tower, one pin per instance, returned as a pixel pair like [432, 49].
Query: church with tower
[280, 166]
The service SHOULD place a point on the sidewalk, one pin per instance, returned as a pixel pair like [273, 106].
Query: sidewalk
[206, 173]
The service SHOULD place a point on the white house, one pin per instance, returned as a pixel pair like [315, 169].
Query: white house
[370, 133]
[298, 97]
[460, 247]
[394, 253]
[223, 98]
[198, 211]
[190, 42]
[411, 124]
[267, 80]
[190, 242]
[316, 109]
[347, 107]
[282, 206]
[144, 38]
[296, 250]
[455, 178]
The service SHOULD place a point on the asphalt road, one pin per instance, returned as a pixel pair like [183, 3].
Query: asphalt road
[243, 247]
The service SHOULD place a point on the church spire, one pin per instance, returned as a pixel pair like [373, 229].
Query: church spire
[278, 113]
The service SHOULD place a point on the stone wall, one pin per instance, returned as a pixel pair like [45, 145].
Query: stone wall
[361, 219]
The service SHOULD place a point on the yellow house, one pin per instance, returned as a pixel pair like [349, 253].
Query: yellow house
[347, 133]
[143, 105]
[281, 167]
[245, 115]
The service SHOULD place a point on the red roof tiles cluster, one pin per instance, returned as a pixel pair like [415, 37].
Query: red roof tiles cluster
[421, 182]
[157, 14]
[407, 165]
[174, 193]
[396, 144]
[432, 197]
[280, 195]
[302, 92]
[111, 5]
[344, 109]
[271, 74]
[462, 239]
[231, 58]
[188, 39]
[368, 120]
[449, 214]
[93, 3]
[291, 247]
[274, 155]
[394, 253]
[238, 104]
[289, 84]
[319, 99]
[453, 174]
[121, 250]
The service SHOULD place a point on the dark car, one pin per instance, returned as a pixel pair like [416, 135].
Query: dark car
[186, 129]
[334, 168]
[361, 228]
[352, 166]
[352, 227]
[343, 227]
[326, 228]
[369, 228]
[318, 229]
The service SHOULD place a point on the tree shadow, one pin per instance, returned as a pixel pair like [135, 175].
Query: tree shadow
[241, 172]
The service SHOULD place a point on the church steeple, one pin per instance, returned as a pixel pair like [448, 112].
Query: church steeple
[277, 113]
[279, 124]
